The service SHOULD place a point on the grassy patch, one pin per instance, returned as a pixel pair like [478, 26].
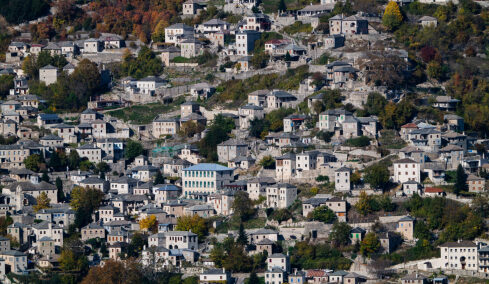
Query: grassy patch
[144, 114]
[389, 139]
[233, 224]
[298, 27]
[235, 92]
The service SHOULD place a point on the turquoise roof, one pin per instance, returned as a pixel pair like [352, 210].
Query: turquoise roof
[207, 167]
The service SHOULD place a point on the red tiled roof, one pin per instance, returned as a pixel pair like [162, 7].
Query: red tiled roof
[433, 190]
[315, 273]
[409, 125]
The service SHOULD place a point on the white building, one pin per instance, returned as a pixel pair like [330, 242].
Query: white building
[279, 260]
[461, 255]
[175, 33]
[48, 74]
[181, 240]
[342, 179]
[205, 178]
[245, 42]
[406, 170]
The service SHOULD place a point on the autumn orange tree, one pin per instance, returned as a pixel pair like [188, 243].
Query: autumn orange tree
[116, 272]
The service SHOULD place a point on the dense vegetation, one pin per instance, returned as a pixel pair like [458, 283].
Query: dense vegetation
[19, 11]
[322, 256]
[236, 91]
[143, 114]
[70, 92]
[145, 64]
[218, 131]
[273, 121]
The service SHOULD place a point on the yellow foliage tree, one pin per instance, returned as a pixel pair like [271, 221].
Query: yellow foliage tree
[149, 223]
[195, 223]
[42, 202]
[392, 16]
[159, 32]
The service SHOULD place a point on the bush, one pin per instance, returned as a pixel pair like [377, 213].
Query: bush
[362, 141]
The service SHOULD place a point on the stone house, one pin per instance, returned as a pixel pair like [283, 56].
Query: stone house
[92, 45]
[281, 195]
[337, 205]
[285, 167]
[205, 178]
[230, 149]
[277, 99]
[165, 126]
[405, 227]
[190, 48]
[91, 152]
[187, 108]
[476, 184]
[48, 74]
[352, 25]
[258, 98]
[249, 112]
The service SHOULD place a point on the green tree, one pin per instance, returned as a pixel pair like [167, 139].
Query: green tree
[287, 57]
[364, 204]
[377, 176]
[257, 126]
[340, 234]
[253, 278]
[33, 162]
[159, 179]
[218, 132]
[461, 180]
[102, 168]
[375, 103]
[323, 214]
[259, 60]
[55, 162]
[218, 255]
[267, 162]
[86, 165]
[133, 149]
[85, 201]
[281, 6]
[59, 187]
[85, 81]
[392, 18]
[242, 206]
[45, 177]
[6, 83]
[434, 70]
[281, 215]
[370, 244]
[73, 160]
[242, 237]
